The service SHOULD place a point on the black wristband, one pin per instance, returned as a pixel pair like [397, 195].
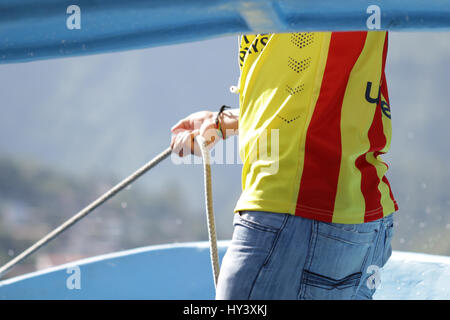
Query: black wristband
[222, 109]
[218, 126]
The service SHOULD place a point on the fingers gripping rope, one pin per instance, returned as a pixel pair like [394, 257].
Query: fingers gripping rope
[112, 192]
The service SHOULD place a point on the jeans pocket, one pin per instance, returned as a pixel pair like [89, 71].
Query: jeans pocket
[258, 232]
[336, 259]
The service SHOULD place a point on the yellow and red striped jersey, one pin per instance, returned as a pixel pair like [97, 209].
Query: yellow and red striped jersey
[314, 121]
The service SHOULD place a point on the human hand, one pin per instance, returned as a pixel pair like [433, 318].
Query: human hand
[184, 132]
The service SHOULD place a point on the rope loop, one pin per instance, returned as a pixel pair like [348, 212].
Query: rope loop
[209, 207]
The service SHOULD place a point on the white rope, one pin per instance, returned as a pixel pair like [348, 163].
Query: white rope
[209, 207]
[81, 214]
[121, 185]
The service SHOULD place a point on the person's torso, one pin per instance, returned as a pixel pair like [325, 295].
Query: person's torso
[314, 120]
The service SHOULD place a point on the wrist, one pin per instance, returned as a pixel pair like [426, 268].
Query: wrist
[220, 122]
[227, 123]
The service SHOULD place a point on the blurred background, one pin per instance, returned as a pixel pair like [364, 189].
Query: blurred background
[72, 128]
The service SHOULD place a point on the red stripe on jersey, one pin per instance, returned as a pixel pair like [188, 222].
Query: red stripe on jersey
[323, 146]
[385, 180]
[369, 176]
[385, 93]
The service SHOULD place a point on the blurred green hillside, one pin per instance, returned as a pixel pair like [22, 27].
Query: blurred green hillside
[35, 199]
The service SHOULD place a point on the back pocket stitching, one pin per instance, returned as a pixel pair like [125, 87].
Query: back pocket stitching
[257, 226]
[327, 283]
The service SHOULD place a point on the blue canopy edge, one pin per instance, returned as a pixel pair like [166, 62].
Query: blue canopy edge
[43, 29]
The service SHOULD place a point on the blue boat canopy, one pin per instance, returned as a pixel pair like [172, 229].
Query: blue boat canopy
[42, 29]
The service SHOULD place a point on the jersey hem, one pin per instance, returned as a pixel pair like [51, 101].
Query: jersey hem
[308, 212]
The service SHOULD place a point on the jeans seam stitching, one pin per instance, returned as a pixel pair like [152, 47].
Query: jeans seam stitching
[377, 246]
[308, 261]
[275, 241]
[342, 240]
[363, 266]
[257, 226]
[367, 260]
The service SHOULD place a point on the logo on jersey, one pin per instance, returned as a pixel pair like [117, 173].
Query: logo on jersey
[248, 47]
[385, 108]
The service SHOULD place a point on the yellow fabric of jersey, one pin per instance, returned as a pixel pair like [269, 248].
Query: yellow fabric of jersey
[282, 99]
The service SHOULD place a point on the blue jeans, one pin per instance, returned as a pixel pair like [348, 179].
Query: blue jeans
[281, 256]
